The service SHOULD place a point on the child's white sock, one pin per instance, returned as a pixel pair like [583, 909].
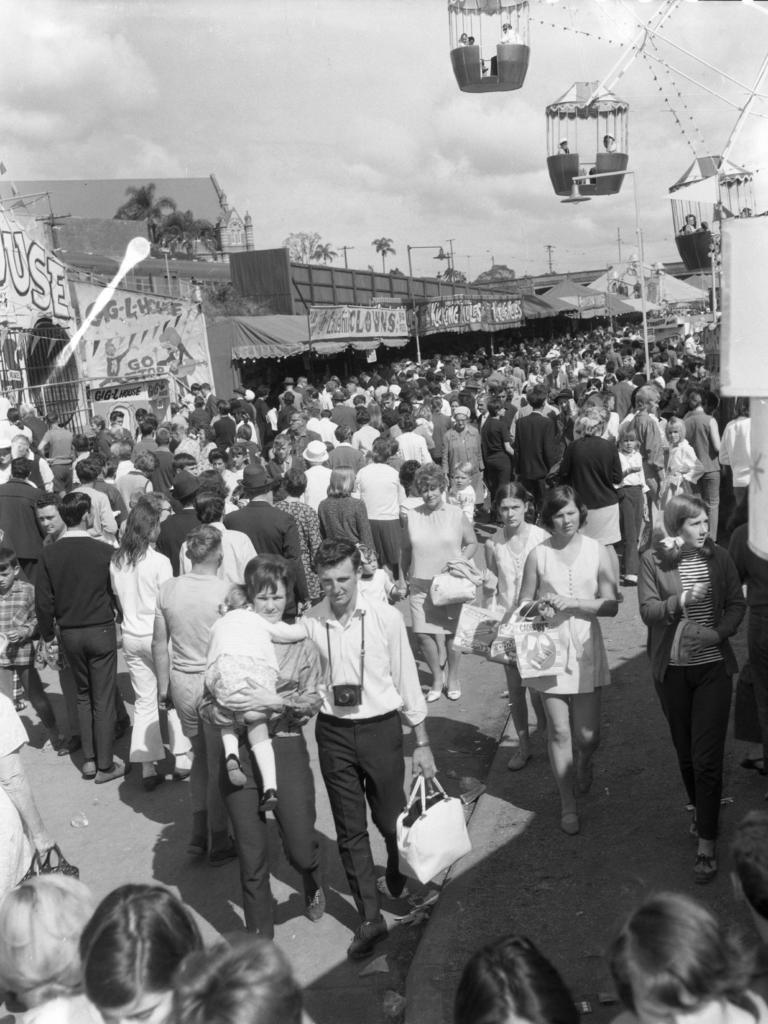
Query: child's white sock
[265, 759]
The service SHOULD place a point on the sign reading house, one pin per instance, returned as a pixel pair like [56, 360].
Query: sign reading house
[334, 323]
[33, 283]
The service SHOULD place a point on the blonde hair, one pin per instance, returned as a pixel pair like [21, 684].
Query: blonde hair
[40, 926]
[463, 467]
[675, 423]
[342, 482]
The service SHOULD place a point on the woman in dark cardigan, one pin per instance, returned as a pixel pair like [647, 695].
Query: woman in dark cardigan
[691, 601]
[591, 466]
[341, 516]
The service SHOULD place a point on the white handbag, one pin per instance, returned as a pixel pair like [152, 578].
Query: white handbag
[449, 589]
[433, 840]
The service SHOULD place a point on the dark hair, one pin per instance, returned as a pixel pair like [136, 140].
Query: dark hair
[295, 482]
[81, 443]
[380, 449]
[408, 474]
[145, 462]
[511, 980]
[406, 422]
[263, 573]
[333, 552]
[678, 950]
[343, 433]
[202, 542]
[73, 507]
[141, 523]
[7, 556]
[47, 501]
[536, 396]
[749, 853]
[21, 468]
[514, 490]
[134, 944]
[147, 426]
[493, 407]
[183, 460]
[87, 470]
[216, 453]
[678, 509]
[210, 480]
[250, 983]
[209, 507]
[557, 499]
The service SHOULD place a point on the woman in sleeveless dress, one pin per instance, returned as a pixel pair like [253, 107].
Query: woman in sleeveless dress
[574, 578]
[505, 555]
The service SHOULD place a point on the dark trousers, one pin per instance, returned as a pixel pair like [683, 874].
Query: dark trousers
[363, 761]
[92, 656]
[757, 644]
[631, 516]
[62, 477]
[696, 701]
[295, 816]
[537, 489]
[498, 472]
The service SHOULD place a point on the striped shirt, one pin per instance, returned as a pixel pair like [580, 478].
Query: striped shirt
[693, 569]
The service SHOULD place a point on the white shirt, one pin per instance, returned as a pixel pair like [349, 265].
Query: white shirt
[378, 485]
[390, 678]
[326, 428]
[735, 450]
[363, 438]
[236, 552]
[137, 588]
[413, 448]
[318, 481]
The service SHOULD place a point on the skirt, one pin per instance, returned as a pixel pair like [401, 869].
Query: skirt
[427, 617]
[388, 539]
[603, 524]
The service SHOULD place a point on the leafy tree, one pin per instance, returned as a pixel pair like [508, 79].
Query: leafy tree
[220, 299]
[325, 253]
[142, 204]
[302, 245]
[385, 248]
[497, 274]
[454, 276]
[179, 232]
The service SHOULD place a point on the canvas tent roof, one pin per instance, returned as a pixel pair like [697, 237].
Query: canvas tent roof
[574, 296]
[675, 290]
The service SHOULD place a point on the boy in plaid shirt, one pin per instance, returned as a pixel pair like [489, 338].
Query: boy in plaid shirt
[18, 627]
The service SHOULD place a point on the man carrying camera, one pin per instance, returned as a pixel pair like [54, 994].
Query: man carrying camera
[371, 681]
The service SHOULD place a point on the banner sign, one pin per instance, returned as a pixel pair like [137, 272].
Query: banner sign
[33, 283]
[143, 336]
[332, 323]
[468, 315]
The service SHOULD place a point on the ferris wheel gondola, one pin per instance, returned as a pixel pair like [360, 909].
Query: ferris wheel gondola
[489, 44]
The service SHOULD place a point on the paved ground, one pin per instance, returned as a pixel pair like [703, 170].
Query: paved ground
[523, 875]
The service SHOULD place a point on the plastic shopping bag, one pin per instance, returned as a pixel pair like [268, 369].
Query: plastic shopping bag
[540, 649]
[476, 629]
[431, 832]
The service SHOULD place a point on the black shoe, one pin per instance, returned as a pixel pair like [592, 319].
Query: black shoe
[151, 782]
[223, 854]
[235, 773]
[121, 727]
[269, 801]
[197, 846]
[73, 744]
[316, 905]
[366, 937]
[705, 868]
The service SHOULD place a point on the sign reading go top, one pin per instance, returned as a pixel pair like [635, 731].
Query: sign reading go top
[331, 323]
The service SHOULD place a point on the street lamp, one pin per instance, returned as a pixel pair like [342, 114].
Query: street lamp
[577, 197]
[165, 251]
[441, 256]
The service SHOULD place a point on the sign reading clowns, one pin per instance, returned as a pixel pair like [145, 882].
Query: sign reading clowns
[331, 323]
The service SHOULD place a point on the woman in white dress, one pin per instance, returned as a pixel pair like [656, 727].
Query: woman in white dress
[573, 577]
[505, 555]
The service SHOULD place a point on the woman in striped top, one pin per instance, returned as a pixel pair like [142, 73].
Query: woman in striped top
[691, 602]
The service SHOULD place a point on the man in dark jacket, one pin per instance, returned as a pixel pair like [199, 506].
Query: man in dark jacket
[174, 530]
[536, 448]
[18, 517]
[272, 531]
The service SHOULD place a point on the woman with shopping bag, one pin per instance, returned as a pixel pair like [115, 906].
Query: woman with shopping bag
[435, 534]
[505, 555]
[573, 579]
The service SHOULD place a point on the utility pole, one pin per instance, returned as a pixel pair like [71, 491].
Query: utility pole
[618, 241]
[550, 249]
[450, 258]
[344, 249]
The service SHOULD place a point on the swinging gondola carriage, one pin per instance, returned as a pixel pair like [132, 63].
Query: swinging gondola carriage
[489, 44]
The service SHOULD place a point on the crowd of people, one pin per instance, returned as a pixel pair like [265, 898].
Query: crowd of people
[251, 557]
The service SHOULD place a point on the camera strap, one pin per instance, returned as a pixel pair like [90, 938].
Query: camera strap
[362, 649]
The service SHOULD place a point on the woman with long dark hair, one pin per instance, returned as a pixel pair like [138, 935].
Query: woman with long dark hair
[137, 572]
[691, 601]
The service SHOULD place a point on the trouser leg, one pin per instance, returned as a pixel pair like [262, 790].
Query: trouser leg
[73, 642]
[102, 669]
[380, 748]
[146, 739]
[295, 811]
[710, 707]
[676, 702]
[345, 781]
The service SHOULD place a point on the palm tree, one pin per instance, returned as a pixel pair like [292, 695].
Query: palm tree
[385, 247]
[180, 231]
[324, 253]
[142, 205]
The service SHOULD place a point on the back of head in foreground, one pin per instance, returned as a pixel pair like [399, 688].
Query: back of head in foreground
[249, 983]
[749, 857]
[673, 957]
[509, 981]
[131, 949]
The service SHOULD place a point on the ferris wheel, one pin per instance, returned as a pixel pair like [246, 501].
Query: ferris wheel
[587, 126]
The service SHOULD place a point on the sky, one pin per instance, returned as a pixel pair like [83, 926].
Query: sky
[342, 117]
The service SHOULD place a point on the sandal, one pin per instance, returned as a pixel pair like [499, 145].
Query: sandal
[433, 695]
[570, 823]
[453, 694]
[705, 868]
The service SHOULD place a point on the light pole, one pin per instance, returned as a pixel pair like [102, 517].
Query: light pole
[441, 255]
[167, 270]
[577, 197]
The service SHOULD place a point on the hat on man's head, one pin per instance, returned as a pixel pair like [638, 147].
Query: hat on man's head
[249, 395]
[315, 453]
[565, 393]
[255, 480]
[238, 391]
[185, 486]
